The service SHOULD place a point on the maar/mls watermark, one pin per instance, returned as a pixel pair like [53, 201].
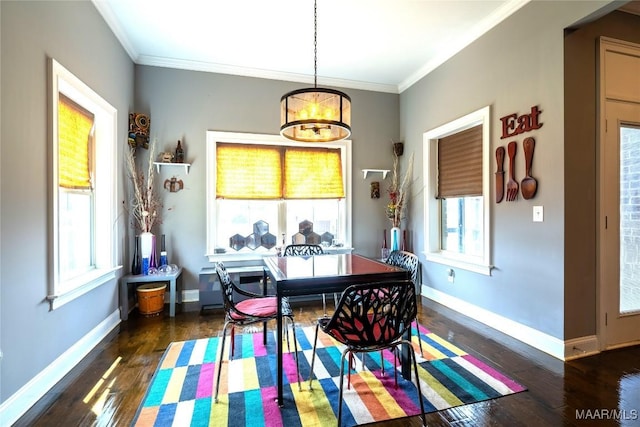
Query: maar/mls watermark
[607, 414]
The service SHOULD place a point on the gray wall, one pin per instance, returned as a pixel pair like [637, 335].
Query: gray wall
[185, 104]
[31, 336]
[513, 67]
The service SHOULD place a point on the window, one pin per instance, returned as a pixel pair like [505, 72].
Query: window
[83, 250]
[264, 178]
[75, 188]
[456, 162]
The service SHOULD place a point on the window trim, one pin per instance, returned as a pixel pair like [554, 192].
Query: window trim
[106, 251]
[213, 137]
[432, 215]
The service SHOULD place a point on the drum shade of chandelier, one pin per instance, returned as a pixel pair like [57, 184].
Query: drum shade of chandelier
[315, 114]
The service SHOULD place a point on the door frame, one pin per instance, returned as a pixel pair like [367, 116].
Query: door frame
[605, 44]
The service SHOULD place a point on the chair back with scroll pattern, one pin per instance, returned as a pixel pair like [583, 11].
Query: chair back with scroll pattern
[226, 286]
[406, 260]
[303, 250]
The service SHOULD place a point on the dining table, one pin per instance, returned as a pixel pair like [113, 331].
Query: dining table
[318, 274]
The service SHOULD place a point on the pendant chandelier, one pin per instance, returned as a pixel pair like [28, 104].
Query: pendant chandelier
[315, 114]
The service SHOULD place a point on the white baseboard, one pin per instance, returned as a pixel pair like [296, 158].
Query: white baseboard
[543, 342]
[191, 295]
[20, 402]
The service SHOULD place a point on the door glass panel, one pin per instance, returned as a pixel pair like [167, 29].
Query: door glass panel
[629, 219]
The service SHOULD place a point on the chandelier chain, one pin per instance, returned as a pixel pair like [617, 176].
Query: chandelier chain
[315, 44]
[315, 114]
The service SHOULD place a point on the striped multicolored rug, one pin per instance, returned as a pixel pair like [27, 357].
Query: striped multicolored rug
[181, 391]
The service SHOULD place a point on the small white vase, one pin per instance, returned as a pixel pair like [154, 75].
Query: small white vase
[395, 239]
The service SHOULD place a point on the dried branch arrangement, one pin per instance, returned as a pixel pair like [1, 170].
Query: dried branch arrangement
[145, 204]
[398, 191]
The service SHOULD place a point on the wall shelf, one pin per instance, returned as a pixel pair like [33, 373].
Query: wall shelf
[366, 172]
[185, 165]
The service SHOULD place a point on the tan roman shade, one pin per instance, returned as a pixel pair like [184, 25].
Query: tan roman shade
[74, 154]
[460, 164]
[247, 171]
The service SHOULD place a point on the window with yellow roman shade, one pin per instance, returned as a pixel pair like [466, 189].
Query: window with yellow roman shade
[266, 172]
[74, 149]
[460, 164]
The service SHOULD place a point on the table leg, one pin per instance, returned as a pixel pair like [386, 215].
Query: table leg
[172, 297]
[264, 292]
[264, 282]
[279, 351]
[405, 356]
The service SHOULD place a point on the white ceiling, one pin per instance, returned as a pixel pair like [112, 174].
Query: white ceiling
[382, 45]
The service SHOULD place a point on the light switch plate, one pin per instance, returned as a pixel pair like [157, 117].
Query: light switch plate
[538, 214]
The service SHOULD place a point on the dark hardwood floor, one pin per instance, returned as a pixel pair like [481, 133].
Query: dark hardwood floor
[107, 387]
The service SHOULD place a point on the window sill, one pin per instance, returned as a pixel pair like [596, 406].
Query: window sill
[257, 256]
[462, 264]
[82, 285]
[235, 256]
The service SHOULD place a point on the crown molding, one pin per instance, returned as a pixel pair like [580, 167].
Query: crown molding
[260, 73]
[499, 15]
[105, 10]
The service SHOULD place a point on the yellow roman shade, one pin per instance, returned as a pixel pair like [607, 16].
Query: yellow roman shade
[247, 171]
[460, 164]
[74, 154]
[313, 173]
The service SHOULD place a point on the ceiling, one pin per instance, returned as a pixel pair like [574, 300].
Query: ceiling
[381, 45]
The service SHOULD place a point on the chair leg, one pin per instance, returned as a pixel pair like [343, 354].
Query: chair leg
[352, 365]
[349, 373]
[264, 333]
[344, 353]
[313, 357]
[232, 349]
[395, 351]
[295, 349]
[415, 372]
[418, 334]
[219, 367]
[286, 332]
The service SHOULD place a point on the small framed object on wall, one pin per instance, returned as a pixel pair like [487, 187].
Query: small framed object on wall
[375, 189]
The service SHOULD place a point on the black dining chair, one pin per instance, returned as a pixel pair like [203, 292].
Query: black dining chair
[371, 317]
[254, 309]
[408, 261]
[309, 250]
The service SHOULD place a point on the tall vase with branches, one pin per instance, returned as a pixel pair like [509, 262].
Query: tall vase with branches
[398, 195]
[145, 204]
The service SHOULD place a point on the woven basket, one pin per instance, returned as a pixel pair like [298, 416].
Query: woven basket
[151, 298]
